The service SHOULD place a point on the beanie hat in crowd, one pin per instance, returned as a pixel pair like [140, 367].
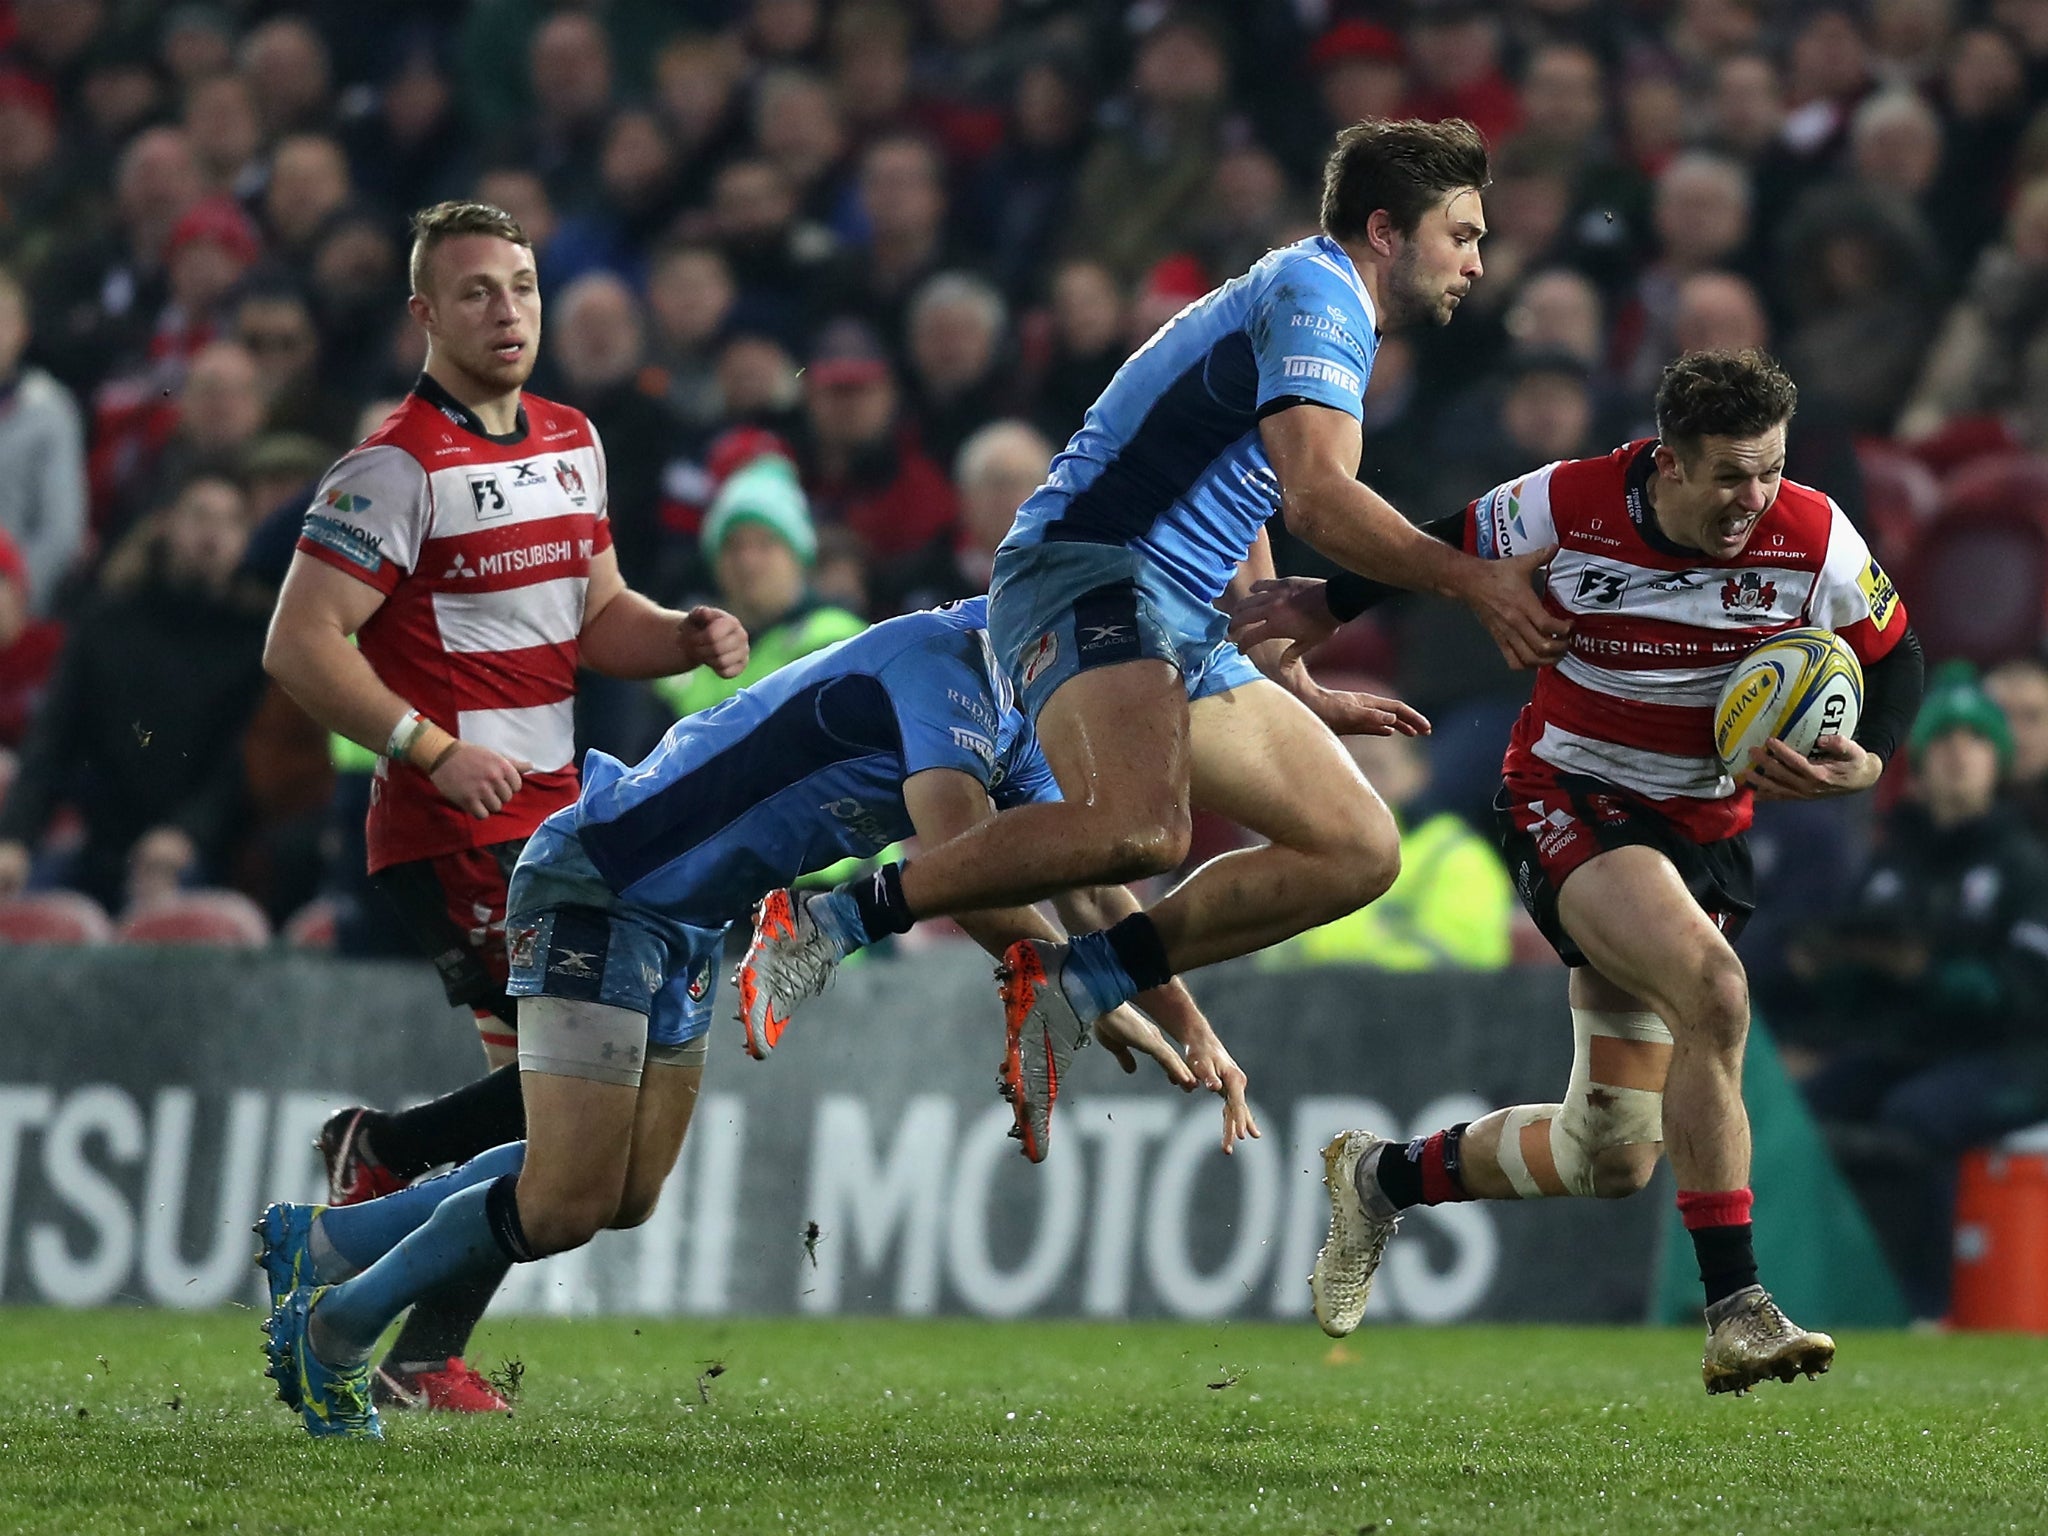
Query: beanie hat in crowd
[1956, 701]
[764, 491]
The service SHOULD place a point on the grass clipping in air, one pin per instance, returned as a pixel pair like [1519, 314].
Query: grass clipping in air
[154, 1421]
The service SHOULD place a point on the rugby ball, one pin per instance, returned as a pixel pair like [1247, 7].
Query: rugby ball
[1798, 686]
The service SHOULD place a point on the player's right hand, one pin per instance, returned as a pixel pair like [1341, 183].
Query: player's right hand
[1291, 608]
[1507, 596]
[479, 780]
[1217, 1070]
[14, 863]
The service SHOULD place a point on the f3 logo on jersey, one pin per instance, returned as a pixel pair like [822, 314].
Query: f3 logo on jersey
[1599, 587]
[489, 497]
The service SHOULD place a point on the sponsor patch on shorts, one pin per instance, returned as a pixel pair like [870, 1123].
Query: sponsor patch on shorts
[1042, 656]
[579, 943]
[1106, 626]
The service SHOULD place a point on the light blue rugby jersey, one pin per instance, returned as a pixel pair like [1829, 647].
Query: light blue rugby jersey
[806, 767]
[1169, 458]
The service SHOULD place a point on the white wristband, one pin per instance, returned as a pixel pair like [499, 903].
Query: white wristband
[408, 730]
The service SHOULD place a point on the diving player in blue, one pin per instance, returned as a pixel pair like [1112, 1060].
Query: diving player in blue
[618, 911]
[1105, 612]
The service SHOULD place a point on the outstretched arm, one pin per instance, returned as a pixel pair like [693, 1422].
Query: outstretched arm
[944, 802]
[1314, 449]
[1284, 659]
[1173, 1007]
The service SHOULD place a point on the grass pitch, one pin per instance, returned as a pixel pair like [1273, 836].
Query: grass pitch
[149, 1421]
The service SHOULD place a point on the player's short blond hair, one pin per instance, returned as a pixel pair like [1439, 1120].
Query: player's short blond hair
[445, 221]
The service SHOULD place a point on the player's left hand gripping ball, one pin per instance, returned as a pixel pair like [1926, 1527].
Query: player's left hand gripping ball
[713, 638]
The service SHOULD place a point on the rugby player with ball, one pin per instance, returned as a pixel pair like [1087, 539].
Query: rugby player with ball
[1677, 559]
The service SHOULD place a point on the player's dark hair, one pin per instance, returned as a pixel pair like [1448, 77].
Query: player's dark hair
[1405, 167]
[445, 221]
[1722, 394]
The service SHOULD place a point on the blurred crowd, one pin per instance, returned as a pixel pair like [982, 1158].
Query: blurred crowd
[898, 246]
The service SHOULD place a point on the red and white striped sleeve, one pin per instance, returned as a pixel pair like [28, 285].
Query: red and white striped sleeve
[1512, 519]
[1853, 596]
[369, 516]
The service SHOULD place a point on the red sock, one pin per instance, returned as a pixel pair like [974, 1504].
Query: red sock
[1718, 1220]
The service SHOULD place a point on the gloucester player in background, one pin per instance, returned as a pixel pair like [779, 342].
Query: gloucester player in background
[1676, 556]
[454, 571]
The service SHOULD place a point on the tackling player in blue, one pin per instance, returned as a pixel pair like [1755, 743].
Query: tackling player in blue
[1104, 610]
[618, 911]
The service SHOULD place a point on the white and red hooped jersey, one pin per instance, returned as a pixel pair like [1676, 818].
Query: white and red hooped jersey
[482, 549]
[1657, 628]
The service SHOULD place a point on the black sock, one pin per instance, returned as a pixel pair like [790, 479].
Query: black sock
[1139, 950]
[501, 1205]
[879, 900]
[453, 1128]
[1727, 1259]
[437, 1329]
[1404, 1175]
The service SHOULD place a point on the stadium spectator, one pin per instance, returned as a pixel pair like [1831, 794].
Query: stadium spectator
[1089, 327]
[154, 681]
[598, 345]
[1454, 47]
[636, 202]
[995, 470]
[1862, 285]
[1984, 102]
[961, 374]
[217, 410]
[196, 43]
[1991, 356]
[759, 541]
[779, 259]
[1718, 311]
[1702, 217]
[696, 90]
[1019, 191]
[1248, 208]
[40, 198]
[274, 323]
[414, 145]
[290, 74]
[1145, 180]
[221, 123]
[863, 464]
[1452, 907]
[309, 183]
[2019, 688]
[569, 69]
[902, 198]
[98, 298]
[357, 281]
[691, 298]
[798, 126]
[1540, 410]
[42, 461]
[1565, 106]
[871, 69]
[1360, 71]
[1920, 1017]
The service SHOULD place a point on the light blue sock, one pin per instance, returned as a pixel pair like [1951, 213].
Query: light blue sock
[455, 1244]
[1094, 980]
[363, 1234]
[838, 917]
